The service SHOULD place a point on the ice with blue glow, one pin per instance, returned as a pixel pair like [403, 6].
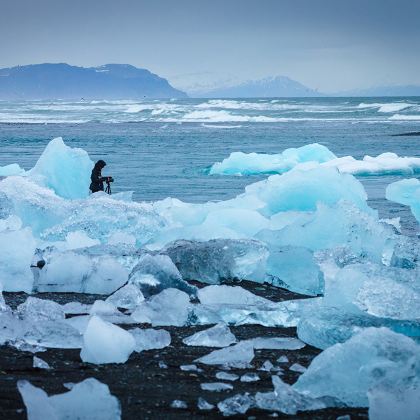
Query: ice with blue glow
[239, 163]
[407, 192]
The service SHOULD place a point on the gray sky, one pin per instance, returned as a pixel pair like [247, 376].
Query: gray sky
[330, 45]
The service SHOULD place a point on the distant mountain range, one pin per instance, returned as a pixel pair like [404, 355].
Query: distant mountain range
[280, 86]
[62, 81]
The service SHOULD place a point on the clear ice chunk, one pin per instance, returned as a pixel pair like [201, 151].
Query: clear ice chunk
[217, 336]
[240, 356]
[149, 339]
[216, 386]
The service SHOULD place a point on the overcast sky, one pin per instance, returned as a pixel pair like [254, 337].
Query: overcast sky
[330, 45]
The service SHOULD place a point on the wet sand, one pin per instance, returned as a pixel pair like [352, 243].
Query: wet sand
[146, 390]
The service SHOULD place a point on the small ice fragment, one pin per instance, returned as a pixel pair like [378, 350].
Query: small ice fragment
[179, 404]
[202, 404]
[190, 368]
[216, 386]
[250, 377]
[238, 404]
[267, 366]
[347, 417]
[163, 365]
[224, 376]
[240, 355]
[217, 336]
[148, 339]
[128, 297]
[230, 295]
[40, 364]
[76, 308]
[283, 359]
[34, 309]
[278, 343]
[296, 367]
[104, 342]
[69, 385]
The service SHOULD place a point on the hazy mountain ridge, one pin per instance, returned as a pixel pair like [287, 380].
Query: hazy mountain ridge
[278, 86]
[63, 81]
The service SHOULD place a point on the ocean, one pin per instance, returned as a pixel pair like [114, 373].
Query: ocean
[163, 148]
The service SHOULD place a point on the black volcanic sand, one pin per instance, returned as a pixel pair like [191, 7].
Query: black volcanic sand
[146, 390]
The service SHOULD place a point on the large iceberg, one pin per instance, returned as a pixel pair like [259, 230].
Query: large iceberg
[239, 163]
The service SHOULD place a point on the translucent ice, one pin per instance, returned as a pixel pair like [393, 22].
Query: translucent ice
[407, 192]
[40, 364]
[216, 386]
[202, 404]
[154, 273]
[169, 307]
[286, 399]
[217, 336]
[238, 404]
[277, 343]
[104, 342]
[17, 247]
[219, 259]
[374, 357]
[35, 310]
[225, 376]
[148, 339]
[63, 169]
[240, 355]
[230, 295]
[87, 400]
[250, 377]
[127, 297]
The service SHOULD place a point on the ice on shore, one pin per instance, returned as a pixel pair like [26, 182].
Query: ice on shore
[40, 364]
[154, 273]
[216, 386]
[104, 342]
[87, 400]
[230, 295]
[169, 307]
[376, 357]
[407, 192]
[217, 336]
[240, 356]
[239, 163]
[148, 339]
[277, 343]
[238, 404]
[127, 297]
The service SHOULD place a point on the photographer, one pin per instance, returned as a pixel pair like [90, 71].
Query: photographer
[97, 180]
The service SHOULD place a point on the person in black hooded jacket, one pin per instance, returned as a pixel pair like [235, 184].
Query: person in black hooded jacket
[97, 180]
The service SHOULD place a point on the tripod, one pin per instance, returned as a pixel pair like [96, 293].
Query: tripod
[108, 188]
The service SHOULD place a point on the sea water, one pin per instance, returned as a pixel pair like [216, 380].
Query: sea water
[163, 148]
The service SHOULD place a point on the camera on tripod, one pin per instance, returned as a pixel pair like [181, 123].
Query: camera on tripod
[108, 180]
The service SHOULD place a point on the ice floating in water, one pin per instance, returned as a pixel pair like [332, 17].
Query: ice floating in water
[87, 400]
[239, 163]
[376, 357]
[63, 169]
[104, 342]
[217, 336]
[148, 339]
[240, 356]
[10, 170]
[407, 192]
